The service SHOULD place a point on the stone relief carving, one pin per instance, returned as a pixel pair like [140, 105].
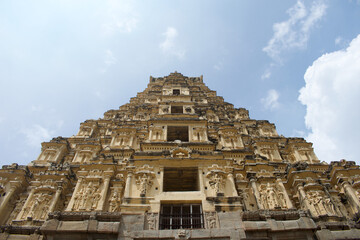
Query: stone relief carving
[37, 207]
[320, 203]
[18, 206]
[211, 219]
[217, 177]
[152, 220]
[144, 179]
[157, 133]
[115, 201]
[87, 198]
[199, 134]
[144, 182]
[271, 197]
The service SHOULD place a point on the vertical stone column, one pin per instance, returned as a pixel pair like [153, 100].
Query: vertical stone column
[303, 198]
[104, 191]
[26, 204]
[161, 187]
[350, 193]
[230, 177]
[127, 191]
[71, 203]
[201, 180]
[131, 141]
[256, 193]
[9, 195]
[55, 199]
[286, 196]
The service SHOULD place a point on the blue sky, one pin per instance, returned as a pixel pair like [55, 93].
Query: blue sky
[62, 62]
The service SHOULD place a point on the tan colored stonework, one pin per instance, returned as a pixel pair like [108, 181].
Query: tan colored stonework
[108, 180]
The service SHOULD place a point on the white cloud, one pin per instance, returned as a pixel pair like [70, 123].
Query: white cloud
[338, 40]
[169, 46]
[36, 108]
[120, 16]
[37, 134]
[271, 100]
[294, 33]
[331, 96]
[109, 60]
[266, 74]
[219, 65]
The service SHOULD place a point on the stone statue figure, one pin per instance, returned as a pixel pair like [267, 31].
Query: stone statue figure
[217, 183]
[211, 219]
[322, 205]
[144, 183]
[114, 202]
[271, 197]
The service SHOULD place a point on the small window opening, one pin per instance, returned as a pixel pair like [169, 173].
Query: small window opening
[178, 133]
[181, 179]
[177, 109]
[180, 216]
[176, 91]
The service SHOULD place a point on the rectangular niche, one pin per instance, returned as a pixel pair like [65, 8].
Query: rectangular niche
[177, 109]
[178, 133]
[176, 91]
[181, 179]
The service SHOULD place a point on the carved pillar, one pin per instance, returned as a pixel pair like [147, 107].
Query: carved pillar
[55, 199]
[161, 187]
[230, 177]
[104, 191]
[350, 193]
[131, 141]
[201, 180]
[71, 203]
[286, 196]
[26, 203]
[303, 198]
[128, 185]
[256, 193]
[4, 205]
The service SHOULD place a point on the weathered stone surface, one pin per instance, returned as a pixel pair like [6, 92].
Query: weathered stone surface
[178, 162]
[73, 226]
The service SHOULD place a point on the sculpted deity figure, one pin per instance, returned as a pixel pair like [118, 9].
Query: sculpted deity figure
[95, 199]
[211, 219]
[152, 221]
[144, 182]
[78, 199]
[271, 197]
[114, 202]
[217, 180]
[322, 205]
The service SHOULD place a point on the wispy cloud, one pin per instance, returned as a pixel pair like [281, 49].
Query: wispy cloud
[120, 17]
[169, 46]
[109, 60]
[266, 74]
[219, 65]
[294, 33]
[37, 134]
[271, 101]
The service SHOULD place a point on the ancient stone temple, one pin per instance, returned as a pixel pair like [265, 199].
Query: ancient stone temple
[178, 162]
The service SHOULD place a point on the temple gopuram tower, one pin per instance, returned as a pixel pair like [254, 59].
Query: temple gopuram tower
[178, 162]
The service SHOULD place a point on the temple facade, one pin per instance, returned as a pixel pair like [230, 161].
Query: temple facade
[178, 162]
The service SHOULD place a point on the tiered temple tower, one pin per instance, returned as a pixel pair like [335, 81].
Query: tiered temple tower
[178, 162]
